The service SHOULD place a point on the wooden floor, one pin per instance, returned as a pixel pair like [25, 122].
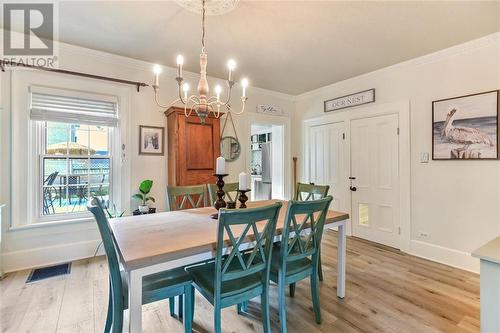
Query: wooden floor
[387, 291]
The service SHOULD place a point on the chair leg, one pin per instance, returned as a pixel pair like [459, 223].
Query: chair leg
[217, 319]
[117, 326]
[109, 316]
[292, 289]
[282, 301]
[315, 297]
[242, 307]
[171, 306]
[320, 268]
[180, 307]
[264, 303]
[188, 309]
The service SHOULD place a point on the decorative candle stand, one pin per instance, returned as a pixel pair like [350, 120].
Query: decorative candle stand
[242, 198]
[219, 203]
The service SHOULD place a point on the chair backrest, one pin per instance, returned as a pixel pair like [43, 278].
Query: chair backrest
[51, 178]
[95, 207]
[296, 243]
[231, 190]
[307, 192]
[186, 197]
[257, 224]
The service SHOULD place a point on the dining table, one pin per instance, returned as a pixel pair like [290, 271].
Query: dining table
[152, 243]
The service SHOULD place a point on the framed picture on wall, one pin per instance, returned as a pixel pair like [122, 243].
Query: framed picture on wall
[466, 127]
[151, 140]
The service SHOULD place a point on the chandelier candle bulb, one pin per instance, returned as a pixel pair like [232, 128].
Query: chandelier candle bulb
[231, 64]
[218, 90]
[220, 166]
[157, 72]
[244, 85]
[185, 88]
[243, 181]
[180, 62]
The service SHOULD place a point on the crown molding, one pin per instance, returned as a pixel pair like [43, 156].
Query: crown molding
[437, 56]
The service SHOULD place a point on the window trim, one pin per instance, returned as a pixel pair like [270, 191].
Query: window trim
[24, 168]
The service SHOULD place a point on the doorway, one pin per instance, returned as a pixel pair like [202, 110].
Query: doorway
[375, 179]
[371, 145]
[267, 156]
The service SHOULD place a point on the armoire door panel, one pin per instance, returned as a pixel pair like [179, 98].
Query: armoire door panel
[199, 150]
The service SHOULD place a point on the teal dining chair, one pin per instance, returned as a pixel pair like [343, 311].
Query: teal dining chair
[305, 192]
[155, 287]
[296, 257]
[237, 276]
[230, 189]
[186, 197]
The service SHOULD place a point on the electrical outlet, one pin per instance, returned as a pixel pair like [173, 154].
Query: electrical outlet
[424, 235]
[424, 157]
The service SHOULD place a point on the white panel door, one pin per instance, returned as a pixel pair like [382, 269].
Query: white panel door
[375, 183]
[326, 158]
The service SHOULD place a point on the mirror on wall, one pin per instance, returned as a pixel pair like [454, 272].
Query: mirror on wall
[230, 148]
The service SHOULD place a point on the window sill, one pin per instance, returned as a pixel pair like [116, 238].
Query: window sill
[50, 224]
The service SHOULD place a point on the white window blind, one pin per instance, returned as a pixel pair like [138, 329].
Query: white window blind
[72, 107]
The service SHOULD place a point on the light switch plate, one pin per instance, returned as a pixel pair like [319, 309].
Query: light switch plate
[424, 157]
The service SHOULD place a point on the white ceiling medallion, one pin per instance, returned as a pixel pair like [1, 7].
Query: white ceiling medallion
[213, 7]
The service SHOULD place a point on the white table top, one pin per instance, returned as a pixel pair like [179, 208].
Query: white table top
[145, 240]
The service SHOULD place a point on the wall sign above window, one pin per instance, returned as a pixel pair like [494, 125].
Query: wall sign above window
[343, 102]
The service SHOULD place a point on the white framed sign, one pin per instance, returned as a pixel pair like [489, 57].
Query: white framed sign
[343, 102]
[270, 109]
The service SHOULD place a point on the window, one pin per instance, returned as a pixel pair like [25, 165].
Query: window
[74, 136]
[75, 164]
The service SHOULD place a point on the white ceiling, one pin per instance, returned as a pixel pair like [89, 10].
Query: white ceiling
[286, 46]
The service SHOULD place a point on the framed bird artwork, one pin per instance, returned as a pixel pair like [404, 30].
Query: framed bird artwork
[466, 127]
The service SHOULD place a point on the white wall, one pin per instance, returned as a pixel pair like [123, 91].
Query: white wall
[457, 202]
[45, 244]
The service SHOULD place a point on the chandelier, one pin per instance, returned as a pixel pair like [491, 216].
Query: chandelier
[202, 104]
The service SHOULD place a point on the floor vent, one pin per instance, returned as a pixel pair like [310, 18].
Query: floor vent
[48, 272]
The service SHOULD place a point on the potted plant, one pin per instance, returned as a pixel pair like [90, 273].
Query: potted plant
[143, 195]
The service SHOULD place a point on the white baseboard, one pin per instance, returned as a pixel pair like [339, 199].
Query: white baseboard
[51, 255]
[444, 255]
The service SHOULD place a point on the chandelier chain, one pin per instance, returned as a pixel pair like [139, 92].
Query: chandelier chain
[203, 26]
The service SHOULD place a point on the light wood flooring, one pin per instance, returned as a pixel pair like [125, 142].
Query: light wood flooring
[387, 291]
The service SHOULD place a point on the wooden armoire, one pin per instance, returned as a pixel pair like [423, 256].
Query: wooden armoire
[193, 148]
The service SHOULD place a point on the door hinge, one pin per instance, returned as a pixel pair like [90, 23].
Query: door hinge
[343, 136]
[398, 131]
[399, 230]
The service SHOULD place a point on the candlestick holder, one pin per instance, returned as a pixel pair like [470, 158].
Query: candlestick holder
[242, 198]
[219, 203]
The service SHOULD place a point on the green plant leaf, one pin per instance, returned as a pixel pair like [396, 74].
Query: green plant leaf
[151, 199]
[138, 196]
[145, 186]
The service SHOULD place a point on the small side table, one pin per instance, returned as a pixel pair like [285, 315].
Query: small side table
[489, 254]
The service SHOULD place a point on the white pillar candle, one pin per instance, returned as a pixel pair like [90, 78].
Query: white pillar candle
[220, 166]
[243, 181]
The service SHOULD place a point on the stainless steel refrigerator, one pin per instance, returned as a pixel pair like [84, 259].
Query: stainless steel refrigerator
[263, 188]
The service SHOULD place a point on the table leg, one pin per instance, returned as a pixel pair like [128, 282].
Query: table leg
[135, 301]
[341, 259]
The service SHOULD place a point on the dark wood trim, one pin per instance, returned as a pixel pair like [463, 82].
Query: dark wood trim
[162, 140]
[498, 126]
[138, 84]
